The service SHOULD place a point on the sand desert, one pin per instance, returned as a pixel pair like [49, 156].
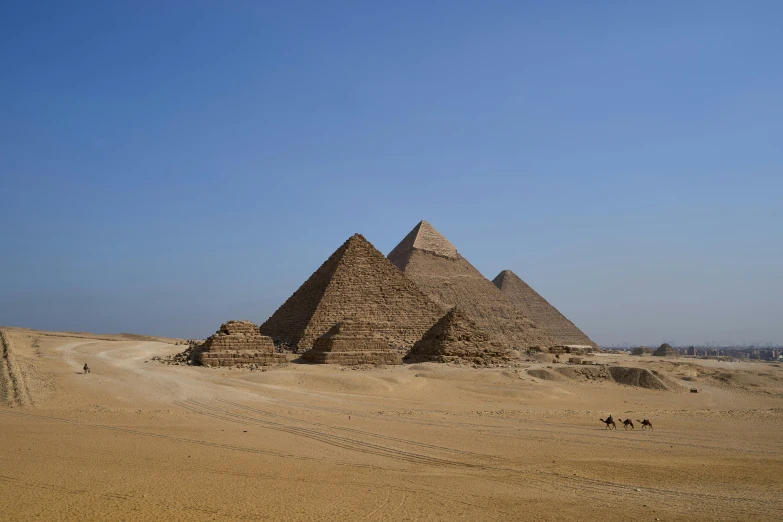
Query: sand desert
[136, 439]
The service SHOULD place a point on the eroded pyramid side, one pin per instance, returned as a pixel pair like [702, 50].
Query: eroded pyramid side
[289, 322]
[357, 282]
[352, 342]
[456, 338]
[557, 326]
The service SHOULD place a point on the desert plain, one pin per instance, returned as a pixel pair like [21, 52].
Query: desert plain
[139, 440]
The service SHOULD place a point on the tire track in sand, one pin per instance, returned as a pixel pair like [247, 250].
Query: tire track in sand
[330, 438]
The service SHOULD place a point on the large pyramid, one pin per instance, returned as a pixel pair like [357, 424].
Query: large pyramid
[356, 282]
[547, 317]
[450, 280]
[456, 338]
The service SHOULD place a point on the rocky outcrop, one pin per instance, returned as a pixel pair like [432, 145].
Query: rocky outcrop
[352, 342]
[547, 317]
[433, 263]
[238, 343]
[357, 281]
[456, 338]
[639, 377]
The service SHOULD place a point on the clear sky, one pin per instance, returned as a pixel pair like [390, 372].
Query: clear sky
[167, 166]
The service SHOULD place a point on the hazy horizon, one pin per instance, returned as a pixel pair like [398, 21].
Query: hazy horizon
[167, 169]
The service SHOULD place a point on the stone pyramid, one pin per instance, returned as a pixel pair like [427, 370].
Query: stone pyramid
[450, 280]
[666, 350]
[352, 342]
[456, 338]
[239, 342]
[547, 317]
[356, 282]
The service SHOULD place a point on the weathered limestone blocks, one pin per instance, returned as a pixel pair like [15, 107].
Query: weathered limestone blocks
[239, 342]
[356, 281]
[456, 338]
[352, 342]
[573, 350]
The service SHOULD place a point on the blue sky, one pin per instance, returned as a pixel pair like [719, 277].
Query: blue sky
[164, 168]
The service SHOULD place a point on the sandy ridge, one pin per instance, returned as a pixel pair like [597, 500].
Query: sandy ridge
[12, 381]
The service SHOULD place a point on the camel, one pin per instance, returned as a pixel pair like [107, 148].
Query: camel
[626, 423]
[86, 368]
[645, 424]
[609, 421]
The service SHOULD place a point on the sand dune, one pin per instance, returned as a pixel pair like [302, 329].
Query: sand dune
[140, 440]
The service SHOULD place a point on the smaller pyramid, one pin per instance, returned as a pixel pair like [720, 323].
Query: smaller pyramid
[666, 350]
[557, 326]
[239, 342]
[456, 338]
[352, 342]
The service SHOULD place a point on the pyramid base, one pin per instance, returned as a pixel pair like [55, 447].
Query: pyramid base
[237, 358]
[571, 349]
[478, 360]
[352, 358]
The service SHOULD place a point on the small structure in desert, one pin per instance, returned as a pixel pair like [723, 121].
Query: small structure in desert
[666, 350]
[456, 338]
[352, 342]
[239, 342]
[641, 350]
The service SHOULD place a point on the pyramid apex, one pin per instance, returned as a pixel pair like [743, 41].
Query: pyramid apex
[357, 239]
[503, 276]
[425, 238]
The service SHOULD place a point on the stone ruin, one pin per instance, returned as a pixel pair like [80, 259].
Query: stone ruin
[352, 342]
[666, 350]
[237, 343]
[571, 349]
[456, 338]
[642, 350]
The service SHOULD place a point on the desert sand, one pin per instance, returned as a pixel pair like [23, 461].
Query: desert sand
[139, 440]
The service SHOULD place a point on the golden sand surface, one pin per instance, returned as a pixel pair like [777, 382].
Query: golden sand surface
[138, 440]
